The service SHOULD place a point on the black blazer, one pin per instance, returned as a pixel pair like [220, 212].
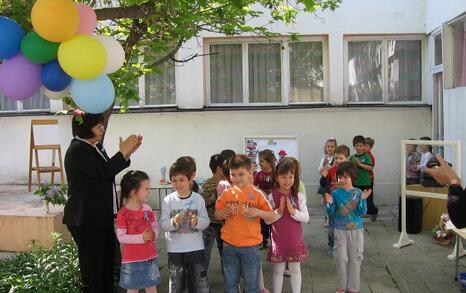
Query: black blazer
[90, 185]
[457, 205]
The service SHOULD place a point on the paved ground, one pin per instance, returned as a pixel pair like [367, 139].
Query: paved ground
[423, 267]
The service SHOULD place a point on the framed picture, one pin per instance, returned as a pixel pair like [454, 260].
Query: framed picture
[282, 146]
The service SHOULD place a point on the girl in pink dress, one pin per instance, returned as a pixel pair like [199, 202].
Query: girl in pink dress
[287, 233]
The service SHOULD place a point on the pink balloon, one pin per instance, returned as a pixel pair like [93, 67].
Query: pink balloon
[19, 78]
[87, 19]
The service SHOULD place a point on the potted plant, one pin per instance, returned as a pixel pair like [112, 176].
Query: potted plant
[52, 194]
[440, 232]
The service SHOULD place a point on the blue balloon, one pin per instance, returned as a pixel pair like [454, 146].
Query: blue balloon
[11, 35]
[53, 77]
[93, 96]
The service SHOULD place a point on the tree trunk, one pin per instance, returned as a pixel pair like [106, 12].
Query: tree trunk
[107, 115]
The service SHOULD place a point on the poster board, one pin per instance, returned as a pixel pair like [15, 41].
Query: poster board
[282, 146]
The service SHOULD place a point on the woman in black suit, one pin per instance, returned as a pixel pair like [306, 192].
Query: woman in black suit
[92, 202]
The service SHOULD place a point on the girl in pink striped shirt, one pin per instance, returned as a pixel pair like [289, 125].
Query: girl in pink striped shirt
[137, 233]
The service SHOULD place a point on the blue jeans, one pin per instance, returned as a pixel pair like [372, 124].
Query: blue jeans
[241, 261]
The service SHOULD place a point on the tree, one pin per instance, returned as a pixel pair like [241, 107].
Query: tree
[162, 26]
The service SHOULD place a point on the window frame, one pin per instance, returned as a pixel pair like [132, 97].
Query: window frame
[384, 39]
[284, 42]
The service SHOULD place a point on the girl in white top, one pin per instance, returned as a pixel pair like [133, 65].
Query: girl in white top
[326, 163]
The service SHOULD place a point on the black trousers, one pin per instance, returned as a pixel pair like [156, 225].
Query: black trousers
[96, 248]
[371, 208]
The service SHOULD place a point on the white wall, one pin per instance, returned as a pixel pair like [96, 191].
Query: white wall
[201, 134]
[438, 12]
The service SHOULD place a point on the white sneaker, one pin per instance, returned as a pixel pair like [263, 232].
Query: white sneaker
[326, 222]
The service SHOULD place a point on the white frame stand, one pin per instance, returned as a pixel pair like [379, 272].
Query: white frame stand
[404, 239]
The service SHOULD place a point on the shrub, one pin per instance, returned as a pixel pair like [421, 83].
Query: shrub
[43, 270]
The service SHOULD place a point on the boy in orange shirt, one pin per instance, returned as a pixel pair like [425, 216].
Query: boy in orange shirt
[242, 207]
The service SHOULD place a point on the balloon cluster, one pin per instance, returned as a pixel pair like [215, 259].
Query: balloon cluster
[61, 56]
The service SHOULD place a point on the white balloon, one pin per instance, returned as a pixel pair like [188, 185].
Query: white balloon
[115, 53]
[55, 95]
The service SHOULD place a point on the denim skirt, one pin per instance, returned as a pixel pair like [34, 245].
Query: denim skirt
[140, 275]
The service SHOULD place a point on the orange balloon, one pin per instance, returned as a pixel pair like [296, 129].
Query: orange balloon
[55, 20]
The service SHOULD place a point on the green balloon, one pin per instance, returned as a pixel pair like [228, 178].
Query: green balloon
[38, 50]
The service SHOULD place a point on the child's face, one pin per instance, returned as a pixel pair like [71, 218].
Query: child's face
[360, 148]
[181, 183]
[286, 181]
[368, 148]
[142, 193]
[345, 181]
[424, 148]
[264, 165]
[241, 177]
[411, 148]
[340, 158]
[330, 148]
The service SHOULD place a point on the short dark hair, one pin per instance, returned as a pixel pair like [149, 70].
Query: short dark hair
[343, 149]
[131, 181]
[216, 161]
[83, 129]
[180, 168]
[189, 161]
[427, 138]
[347, 169]
[370, 141]
[359, 139]
[227, 154]
[240, 161]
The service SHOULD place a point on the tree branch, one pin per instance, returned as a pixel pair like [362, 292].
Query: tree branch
[167, 57]
[138, 11]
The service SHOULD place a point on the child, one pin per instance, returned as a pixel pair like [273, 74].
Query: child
[242, 207]
[326, 163]
[347, 204]
[363, 177]
[287, 234]
[192, 164]
[264, 181]
[426, 155]
[225, 184]
[212, 233]
[137, 232]
[371, 207]
[183, 217]
[330, 182]
[412, 160]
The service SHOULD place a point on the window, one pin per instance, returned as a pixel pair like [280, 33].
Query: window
[156, 88]
[248, 73]
[306, 72]
[459, 53]
[382, 71]
[438, 50]
[38, 102]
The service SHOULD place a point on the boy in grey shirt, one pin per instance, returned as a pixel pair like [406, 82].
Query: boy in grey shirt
[183, 218]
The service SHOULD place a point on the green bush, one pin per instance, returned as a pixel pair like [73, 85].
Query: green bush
[43, 270]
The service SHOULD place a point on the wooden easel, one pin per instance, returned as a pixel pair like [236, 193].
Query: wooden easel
[41, 145]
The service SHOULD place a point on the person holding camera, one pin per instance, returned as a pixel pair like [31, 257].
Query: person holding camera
[456, 204]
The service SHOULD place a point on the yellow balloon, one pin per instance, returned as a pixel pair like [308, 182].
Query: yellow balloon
[82, 57]
[55, 20]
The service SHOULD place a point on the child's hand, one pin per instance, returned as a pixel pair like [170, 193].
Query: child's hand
[194, 220]
[414, 168]
[366, 193]
[290, 207]
[251, 212]
[357, 162]
[281, 208]
[178, 219]
[148, 235]
[324, 172]
[328, 198]
[226, 212]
